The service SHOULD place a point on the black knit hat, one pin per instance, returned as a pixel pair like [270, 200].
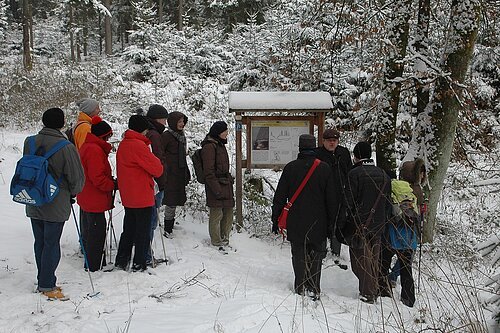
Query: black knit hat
[307, 141]
[100, 128]
[217, 128]
[138, 123]
[157, 111]
[53, 118]
[362, 150]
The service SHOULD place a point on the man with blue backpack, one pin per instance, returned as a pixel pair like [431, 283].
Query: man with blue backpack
[48, 201]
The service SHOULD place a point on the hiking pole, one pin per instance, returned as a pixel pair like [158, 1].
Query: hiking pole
[94, 293]
[423, 210]
[109, 224]
[161, 236]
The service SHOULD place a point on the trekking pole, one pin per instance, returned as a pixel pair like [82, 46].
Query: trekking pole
[423, 210]
[161, 236]
[108, 226]
[94, 293]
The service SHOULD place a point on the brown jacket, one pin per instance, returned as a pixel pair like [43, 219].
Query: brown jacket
[218, 180]
[410, 171]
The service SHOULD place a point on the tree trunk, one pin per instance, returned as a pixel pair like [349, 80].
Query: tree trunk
[27, 57]
[71, 33]
[160, 11]
[391, 86]
[465, 17]
[421, 48]
[180, 13]
[108, 47]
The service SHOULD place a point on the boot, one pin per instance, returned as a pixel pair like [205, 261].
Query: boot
[168, 225]
[54, 294]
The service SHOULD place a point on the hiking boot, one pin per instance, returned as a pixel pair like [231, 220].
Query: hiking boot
[138, 268]
[155, 262]
[168, 235]
[312, 295]
[54, 294]
[369, 299]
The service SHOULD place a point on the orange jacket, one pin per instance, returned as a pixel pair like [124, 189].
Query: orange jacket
[81, 128]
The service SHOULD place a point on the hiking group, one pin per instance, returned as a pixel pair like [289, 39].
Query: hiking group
[321, 196]
[356, 204]
[151, 171]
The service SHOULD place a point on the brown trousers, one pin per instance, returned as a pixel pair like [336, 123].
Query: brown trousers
[365, 263]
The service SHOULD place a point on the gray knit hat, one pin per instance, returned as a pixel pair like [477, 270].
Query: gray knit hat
[87, 105]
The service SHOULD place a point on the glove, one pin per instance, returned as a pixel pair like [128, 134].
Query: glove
[72, 199]
[275, 229]
[115, 181]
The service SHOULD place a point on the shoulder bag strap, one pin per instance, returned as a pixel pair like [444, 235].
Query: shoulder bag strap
[372, 211]
[304, 181]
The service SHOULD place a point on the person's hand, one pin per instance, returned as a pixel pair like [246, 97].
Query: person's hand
[275, 229]
[115, 181]
[72, 199]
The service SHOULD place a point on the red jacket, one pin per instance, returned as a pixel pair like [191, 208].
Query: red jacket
[136, 166]
[96, 194]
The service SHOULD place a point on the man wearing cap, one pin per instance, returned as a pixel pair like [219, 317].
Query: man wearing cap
[88, 108]
[157, 117]
[47, 221]
[368, 197]
[311, 217]
[136, 167]
[339, 159]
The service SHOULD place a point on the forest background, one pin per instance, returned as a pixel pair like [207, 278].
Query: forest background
[416, 78]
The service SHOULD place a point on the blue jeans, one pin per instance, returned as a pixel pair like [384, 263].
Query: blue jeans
[154, 223]
[47, 251]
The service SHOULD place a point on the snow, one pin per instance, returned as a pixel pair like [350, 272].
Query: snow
[261, 101]
[200, 290]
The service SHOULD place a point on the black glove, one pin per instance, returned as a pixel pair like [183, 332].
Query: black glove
[275, 229]
[115, 181]
[72, 199]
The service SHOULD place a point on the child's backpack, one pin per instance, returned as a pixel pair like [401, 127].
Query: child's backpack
[198, 166]
[32, 183]
[405, 218]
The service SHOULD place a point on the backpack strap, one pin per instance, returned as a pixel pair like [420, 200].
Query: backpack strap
[60, 144]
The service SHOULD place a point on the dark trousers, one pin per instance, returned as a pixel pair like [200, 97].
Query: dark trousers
[335, 245]
[306, 262]
[136, 224]
[94, 233]
[407, 283]
[365, 263]
[47, 251]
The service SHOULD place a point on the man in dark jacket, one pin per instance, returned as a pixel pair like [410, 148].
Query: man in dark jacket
[47, 221]
[368, 193]
[310, 218]
[157, 117]
[339, 159]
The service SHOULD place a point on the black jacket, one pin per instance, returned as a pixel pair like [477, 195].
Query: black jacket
[311, 217]
[365, 183]
[340, 162]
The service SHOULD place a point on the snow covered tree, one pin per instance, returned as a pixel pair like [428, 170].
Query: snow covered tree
[447, 100]
[3, 19]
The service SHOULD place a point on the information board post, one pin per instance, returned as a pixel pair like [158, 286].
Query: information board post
[239, 172]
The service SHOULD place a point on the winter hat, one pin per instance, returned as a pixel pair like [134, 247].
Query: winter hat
[331, 134]
[53, 118]
[362, 150]
[157, 111]
[307, 141]
[100, 128]
[217, 128]
[87, 105]
[138, 123]
[173, 119]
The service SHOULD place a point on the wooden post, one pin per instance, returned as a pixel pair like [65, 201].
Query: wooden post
[239, 173]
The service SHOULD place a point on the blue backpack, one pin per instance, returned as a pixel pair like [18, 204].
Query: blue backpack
[32, 183]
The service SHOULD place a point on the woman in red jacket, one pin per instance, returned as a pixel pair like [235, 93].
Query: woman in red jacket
[136, 167]
[96, 196]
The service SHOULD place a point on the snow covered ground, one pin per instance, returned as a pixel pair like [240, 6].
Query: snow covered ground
[200, 290]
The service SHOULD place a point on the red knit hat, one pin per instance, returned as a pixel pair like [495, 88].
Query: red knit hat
[100, 128]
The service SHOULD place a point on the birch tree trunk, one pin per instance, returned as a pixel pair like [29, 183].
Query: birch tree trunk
[391, 86]
[180, 13]
[465, 17]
